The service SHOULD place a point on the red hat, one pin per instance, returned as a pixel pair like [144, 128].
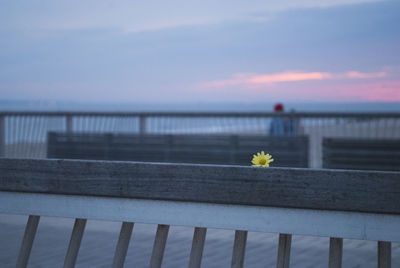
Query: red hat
[278, 107]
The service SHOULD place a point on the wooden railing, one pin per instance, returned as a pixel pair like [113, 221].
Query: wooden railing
[23, 134]
[361, 154]
[332, 203]
[196, 149]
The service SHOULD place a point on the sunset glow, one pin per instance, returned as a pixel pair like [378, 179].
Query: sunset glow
[259, 79]
[205, 51]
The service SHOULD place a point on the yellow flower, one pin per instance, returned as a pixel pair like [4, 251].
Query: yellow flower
[262, 160]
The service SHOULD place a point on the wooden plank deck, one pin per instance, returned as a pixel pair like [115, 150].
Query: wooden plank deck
[100, 239]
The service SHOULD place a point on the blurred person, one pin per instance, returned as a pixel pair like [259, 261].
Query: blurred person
[284, 126]
[276, 127]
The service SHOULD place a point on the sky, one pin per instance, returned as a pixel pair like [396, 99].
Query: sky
[200, 51]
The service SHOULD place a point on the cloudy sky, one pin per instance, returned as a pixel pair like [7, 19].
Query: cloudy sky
[208, 51]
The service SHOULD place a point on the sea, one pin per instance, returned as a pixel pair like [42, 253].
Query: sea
[49, 105]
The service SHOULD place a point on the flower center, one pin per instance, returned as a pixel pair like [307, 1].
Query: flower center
[263, 161]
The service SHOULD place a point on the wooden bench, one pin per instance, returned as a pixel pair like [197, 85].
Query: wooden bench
[362, 154]
[332, 203]
[200, 149]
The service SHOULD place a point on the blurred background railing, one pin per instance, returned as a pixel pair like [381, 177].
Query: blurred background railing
[23, 134]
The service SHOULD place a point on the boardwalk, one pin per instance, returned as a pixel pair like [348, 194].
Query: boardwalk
[100, 239]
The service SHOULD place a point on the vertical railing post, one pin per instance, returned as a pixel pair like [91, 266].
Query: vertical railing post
[384, 254]
[285, 242]
[142, 124]
[239, 249]
[335, 252]
[159, 246]
[74, 243]
[2, 136]
[27, 241]
[69, 123]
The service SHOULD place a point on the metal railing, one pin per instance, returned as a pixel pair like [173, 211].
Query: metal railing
[23, 134]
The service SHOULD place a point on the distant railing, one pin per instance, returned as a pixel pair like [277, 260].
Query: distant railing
[23, 134]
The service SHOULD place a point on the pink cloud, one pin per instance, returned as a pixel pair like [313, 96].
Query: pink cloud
[287, 77]
[386, 91]
[340, 90]
[290, 76]
[382, 91]
[355, 74]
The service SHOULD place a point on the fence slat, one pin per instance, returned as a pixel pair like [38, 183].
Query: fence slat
[2, 136]
[142, 124]
[68, 122]
[285, 242]
[239, 249]
[27, 242]
[122, 245]
[196, 254]
[335, 252]
[75, 243]
[384, 254]
[159, 246]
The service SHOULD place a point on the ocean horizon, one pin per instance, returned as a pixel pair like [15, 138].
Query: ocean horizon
[46, 105]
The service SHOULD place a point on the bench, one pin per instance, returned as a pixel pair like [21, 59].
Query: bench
[200, 149]
[362, 154]
[331, 203]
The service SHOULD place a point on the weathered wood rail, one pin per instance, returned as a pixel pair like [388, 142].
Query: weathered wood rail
[362, 154]
[187, 148]
[332, 203]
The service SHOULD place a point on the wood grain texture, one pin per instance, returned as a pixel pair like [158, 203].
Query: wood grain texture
[159, 246]
[27, 241]
[196, 253]
[361, 154]
[362, 191]
[285, 243]
[74, 243]
[239, 249]
[122, 245]
[188, 148]
[335, 252]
